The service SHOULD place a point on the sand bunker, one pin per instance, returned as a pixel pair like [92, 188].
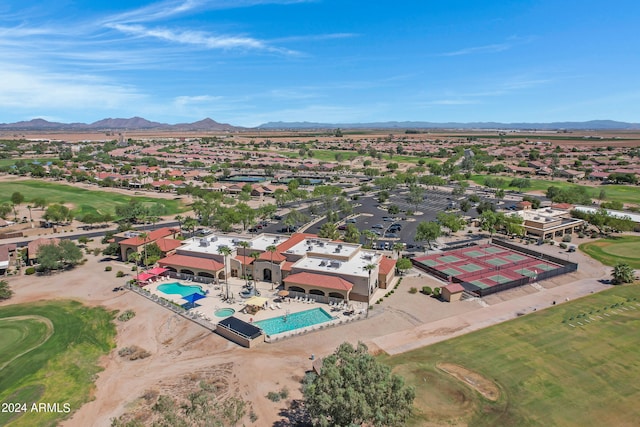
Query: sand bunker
[482, 385]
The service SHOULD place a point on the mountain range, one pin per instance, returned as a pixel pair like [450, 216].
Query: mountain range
[138, 123]
[133, 123]
[587, 125]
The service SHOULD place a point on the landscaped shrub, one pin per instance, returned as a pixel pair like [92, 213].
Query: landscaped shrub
[134, 268]
[108, 268]
[127, 315]
[427, 290]
[413, 290]
[284, 393]
[566, 238]
[133, 352]
[436, 292]
[120, 273]
[563, 245]
[29, 271]
[273, 396]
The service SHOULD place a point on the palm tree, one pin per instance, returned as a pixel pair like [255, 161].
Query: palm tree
[370, 236]
[190, 225]
[369, 268]
[244, 245]
[30, 207]
[397, 248]
[622, 273]
[272, 249]
[255, 256]
[329, 231]
[144, 237]
[179, 218]
[225, 251]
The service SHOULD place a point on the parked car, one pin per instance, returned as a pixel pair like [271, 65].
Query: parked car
[387, 218]
[342, 227]
[351, 221]
[379, 226]
[391, 235]
[277, 217]
[253, 230]
[376, 232]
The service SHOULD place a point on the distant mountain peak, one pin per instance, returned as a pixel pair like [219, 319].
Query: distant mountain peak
[133, 123]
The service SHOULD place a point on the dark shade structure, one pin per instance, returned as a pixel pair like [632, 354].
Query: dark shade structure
[241, 327]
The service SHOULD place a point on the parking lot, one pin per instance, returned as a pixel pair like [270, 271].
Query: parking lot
[373, 216]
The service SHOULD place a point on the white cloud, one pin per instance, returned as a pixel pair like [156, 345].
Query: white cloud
[26, 88]
[191, 37]
[491, 48]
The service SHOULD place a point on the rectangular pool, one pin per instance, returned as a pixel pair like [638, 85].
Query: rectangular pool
[293, 321]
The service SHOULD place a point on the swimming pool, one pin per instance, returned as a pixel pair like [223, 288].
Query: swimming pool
[285, 323]
[180, 289]
[224, 312]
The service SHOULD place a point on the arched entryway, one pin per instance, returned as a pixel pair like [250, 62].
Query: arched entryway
[266, 275]
[185, 271]
[204, 274]
[297, 289]
[171, 269]
[335, 295]
[316, 292]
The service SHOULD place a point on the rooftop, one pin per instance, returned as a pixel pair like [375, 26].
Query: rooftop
[351, 267]
[322, 247]
[210, 244]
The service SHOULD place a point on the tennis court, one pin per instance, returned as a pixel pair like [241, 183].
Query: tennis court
[487, 265]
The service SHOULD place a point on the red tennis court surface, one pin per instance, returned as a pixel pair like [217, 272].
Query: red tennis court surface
[486, 266]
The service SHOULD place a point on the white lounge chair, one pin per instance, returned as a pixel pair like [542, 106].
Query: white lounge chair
[278, 305]
[331, 304]
[272, 307]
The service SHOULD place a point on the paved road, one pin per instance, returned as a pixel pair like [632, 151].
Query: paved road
[24, 241]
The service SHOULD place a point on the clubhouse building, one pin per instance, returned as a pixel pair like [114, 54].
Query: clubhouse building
[301, 263]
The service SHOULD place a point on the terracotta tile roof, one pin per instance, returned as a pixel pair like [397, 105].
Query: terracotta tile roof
[287, 266]
[34, 245]
[167, 245]
[245, 260]
[564, 206]
[294, 240]
[277, 257]
[454, 288]
[190, 262]
[319, 280]
[151, 237]
[387, 265]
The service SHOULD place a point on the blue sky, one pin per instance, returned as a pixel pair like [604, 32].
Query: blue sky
[247, 62]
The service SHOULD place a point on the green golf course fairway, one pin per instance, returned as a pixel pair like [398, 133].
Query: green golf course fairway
[548, 372]
[614, 250]
[83, 201]
[48, 354]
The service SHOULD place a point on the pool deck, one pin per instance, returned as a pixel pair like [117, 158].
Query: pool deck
[213, 301]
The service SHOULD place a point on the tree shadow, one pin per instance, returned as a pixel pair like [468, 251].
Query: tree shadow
[295, 415]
